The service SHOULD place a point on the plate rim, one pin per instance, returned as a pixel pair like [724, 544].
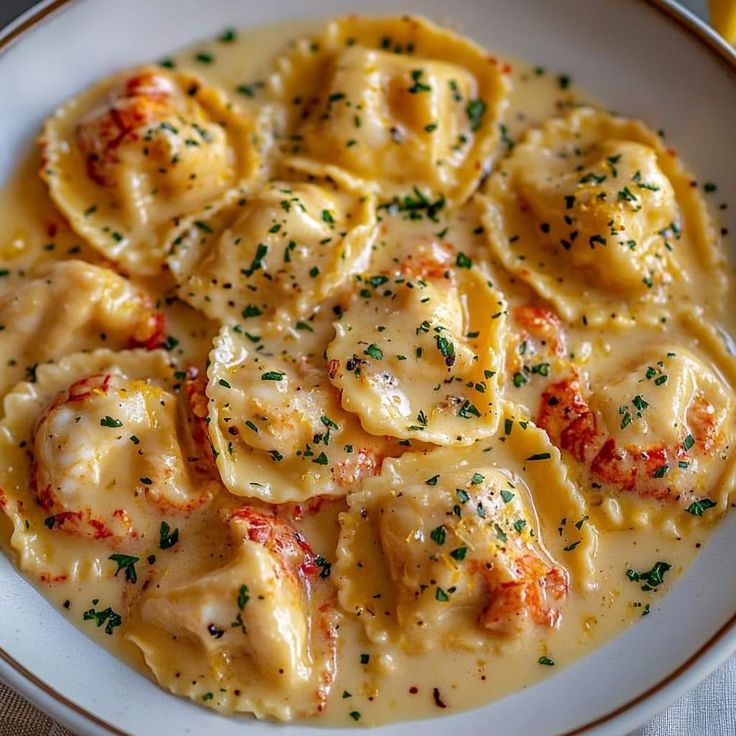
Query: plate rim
[631, 714]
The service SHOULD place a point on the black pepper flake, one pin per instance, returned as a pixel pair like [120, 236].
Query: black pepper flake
[438, 698]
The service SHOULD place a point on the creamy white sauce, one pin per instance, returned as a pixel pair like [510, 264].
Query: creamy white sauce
[392, 685]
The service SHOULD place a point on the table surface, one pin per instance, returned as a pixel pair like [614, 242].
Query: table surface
[708, 710]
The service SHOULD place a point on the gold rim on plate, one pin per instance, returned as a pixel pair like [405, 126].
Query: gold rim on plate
[676, 16]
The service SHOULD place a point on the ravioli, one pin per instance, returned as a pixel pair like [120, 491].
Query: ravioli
[98, 449]
[601, 219]
[277, 427]
[425, 419]
[276, 254]
[258, 633]
[446, 548]
[398, 101]
[70, 306]
[419, 351]
[648, 436]
[126, 159]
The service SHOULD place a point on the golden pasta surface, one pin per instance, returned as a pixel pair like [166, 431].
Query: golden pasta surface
[355, 374]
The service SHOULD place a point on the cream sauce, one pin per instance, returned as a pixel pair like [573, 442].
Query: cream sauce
[391, 685]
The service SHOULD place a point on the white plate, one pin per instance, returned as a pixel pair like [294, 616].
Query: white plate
[642, 58]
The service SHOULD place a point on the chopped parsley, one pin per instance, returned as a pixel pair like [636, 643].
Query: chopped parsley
[463, 261]
[467, 409]
[257, 262]
[203, 226]
[106, 617]
[639, 402]
[228, 36]
[651, 578]
[321, 459]
[374, 352]
[252, 311]
[463, 496]
[167, 537]
[418, 86]
[438, 534]
[170, 343]
[415, 205]
[108, 421]
[324, 565]
[475, 110]
[661, 471]
[127, 563]
[519, 379]
[697, 508]
[446, 348]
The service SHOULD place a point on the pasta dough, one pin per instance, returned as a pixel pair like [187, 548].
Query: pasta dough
[654, 433]
[274, 255]
[458, 547]
[397, 100]
[123, 162]
[260, 624]
[71, 306]
[278, 429]
[597, 216]
[418, 352]
[98, 449]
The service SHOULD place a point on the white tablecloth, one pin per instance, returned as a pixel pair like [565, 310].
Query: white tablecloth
[709, 710]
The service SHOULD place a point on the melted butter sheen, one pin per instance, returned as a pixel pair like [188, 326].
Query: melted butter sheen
[508, 354]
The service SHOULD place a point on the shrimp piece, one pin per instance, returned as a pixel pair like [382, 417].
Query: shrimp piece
[560, 406]
[263, 620]
[529, 596]
[151, 333]
[143, 99]
[536, 353]
[114, 483]
[566, 416]
[542, 326]
[364, 462]
[285, 542]
[703, 422]
[195, 387]
[429, 260]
